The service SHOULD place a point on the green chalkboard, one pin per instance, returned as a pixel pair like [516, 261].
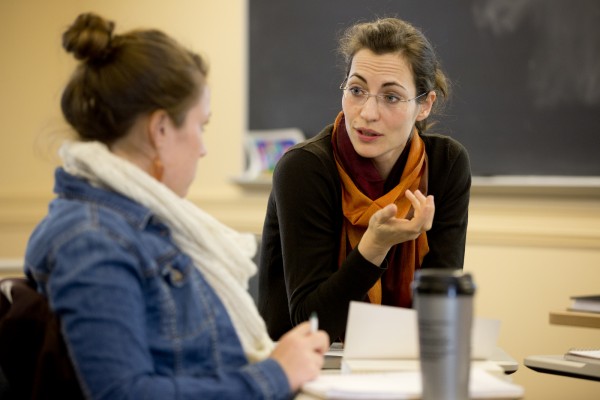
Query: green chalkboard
[526, 74]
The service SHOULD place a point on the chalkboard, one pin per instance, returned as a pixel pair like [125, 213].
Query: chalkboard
[525, 73]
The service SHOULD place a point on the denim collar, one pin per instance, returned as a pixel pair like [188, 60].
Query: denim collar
[72, 187]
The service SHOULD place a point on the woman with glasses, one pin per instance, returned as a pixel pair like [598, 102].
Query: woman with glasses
[355, 210]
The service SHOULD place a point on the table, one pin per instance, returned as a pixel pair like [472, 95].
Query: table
[555, 364]
[574, 318]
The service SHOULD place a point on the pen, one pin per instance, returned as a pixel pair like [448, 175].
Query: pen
[314, 322]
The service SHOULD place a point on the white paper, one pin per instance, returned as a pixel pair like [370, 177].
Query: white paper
[351, 366]
[380, 332]
[484, 337]
[403, 385]
[383, 332]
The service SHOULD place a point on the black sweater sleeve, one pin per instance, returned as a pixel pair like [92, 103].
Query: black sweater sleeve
[300, 249]
[450, 184]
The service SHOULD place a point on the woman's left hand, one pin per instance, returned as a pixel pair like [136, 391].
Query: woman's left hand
[385, 229]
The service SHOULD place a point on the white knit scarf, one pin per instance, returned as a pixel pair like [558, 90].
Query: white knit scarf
[222, 254]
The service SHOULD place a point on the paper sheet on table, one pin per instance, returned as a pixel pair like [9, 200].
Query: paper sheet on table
[383, 332]
[403, 385]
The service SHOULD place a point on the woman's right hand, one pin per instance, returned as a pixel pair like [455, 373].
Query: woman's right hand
[385, 230]
[300, 353]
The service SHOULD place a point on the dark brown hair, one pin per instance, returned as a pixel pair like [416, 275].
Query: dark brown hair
[121, 77]
[392, 35]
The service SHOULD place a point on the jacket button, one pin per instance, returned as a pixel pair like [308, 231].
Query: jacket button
[176, 276]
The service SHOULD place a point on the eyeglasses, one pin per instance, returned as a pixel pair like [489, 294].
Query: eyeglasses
[358, 97]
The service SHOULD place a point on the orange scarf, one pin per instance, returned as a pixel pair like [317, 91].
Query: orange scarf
[404, 258]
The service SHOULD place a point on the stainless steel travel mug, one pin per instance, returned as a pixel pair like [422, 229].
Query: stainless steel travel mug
[443, 300]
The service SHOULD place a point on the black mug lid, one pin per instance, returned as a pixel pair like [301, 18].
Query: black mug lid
[443, 281]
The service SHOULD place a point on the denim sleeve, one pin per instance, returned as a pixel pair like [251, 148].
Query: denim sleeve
[96, 288]
[266, 380]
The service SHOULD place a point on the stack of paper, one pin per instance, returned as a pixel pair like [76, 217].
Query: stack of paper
[403, 385]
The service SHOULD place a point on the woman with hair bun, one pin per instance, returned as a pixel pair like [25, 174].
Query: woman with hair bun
[150, 291]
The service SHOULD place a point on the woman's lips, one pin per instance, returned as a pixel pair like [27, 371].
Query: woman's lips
[367, 135]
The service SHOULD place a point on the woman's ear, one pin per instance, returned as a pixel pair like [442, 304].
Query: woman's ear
[157, 128]
[426, 106]
[158, 124]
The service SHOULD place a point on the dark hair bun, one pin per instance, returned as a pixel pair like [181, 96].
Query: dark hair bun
[89, 38]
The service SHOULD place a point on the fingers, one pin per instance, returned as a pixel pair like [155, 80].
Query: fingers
[424, 207]
[418, 199]
[300, 354]
[321, 341]
[386, 213]
[318, 340]
[385, 230]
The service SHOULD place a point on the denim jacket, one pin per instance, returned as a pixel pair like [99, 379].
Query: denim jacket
[139, 320]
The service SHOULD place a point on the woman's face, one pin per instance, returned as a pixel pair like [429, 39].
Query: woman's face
[377, 129]
[185, 146]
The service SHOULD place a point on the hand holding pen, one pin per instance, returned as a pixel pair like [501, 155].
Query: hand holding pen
[300, 352]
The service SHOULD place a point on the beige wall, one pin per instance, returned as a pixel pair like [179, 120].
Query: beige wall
[34, 69]
[528, 254]
[529, 250]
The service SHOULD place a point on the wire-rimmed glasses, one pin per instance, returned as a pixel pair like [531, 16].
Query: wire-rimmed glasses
[357, 96]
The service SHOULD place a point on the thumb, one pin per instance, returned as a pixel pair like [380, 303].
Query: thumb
[387, 212]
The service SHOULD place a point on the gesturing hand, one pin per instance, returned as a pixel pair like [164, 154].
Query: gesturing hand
[385, 230]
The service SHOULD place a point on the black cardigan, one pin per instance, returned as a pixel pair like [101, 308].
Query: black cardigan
[298, 270]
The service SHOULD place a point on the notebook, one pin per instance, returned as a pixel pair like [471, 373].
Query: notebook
[384, 338]
[379, 332]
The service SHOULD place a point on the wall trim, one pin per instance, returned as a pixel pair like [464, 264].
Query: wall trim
[493, 219]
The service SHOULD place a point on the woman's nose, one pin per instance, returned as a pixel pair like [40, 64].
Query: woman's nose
[370, 109]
